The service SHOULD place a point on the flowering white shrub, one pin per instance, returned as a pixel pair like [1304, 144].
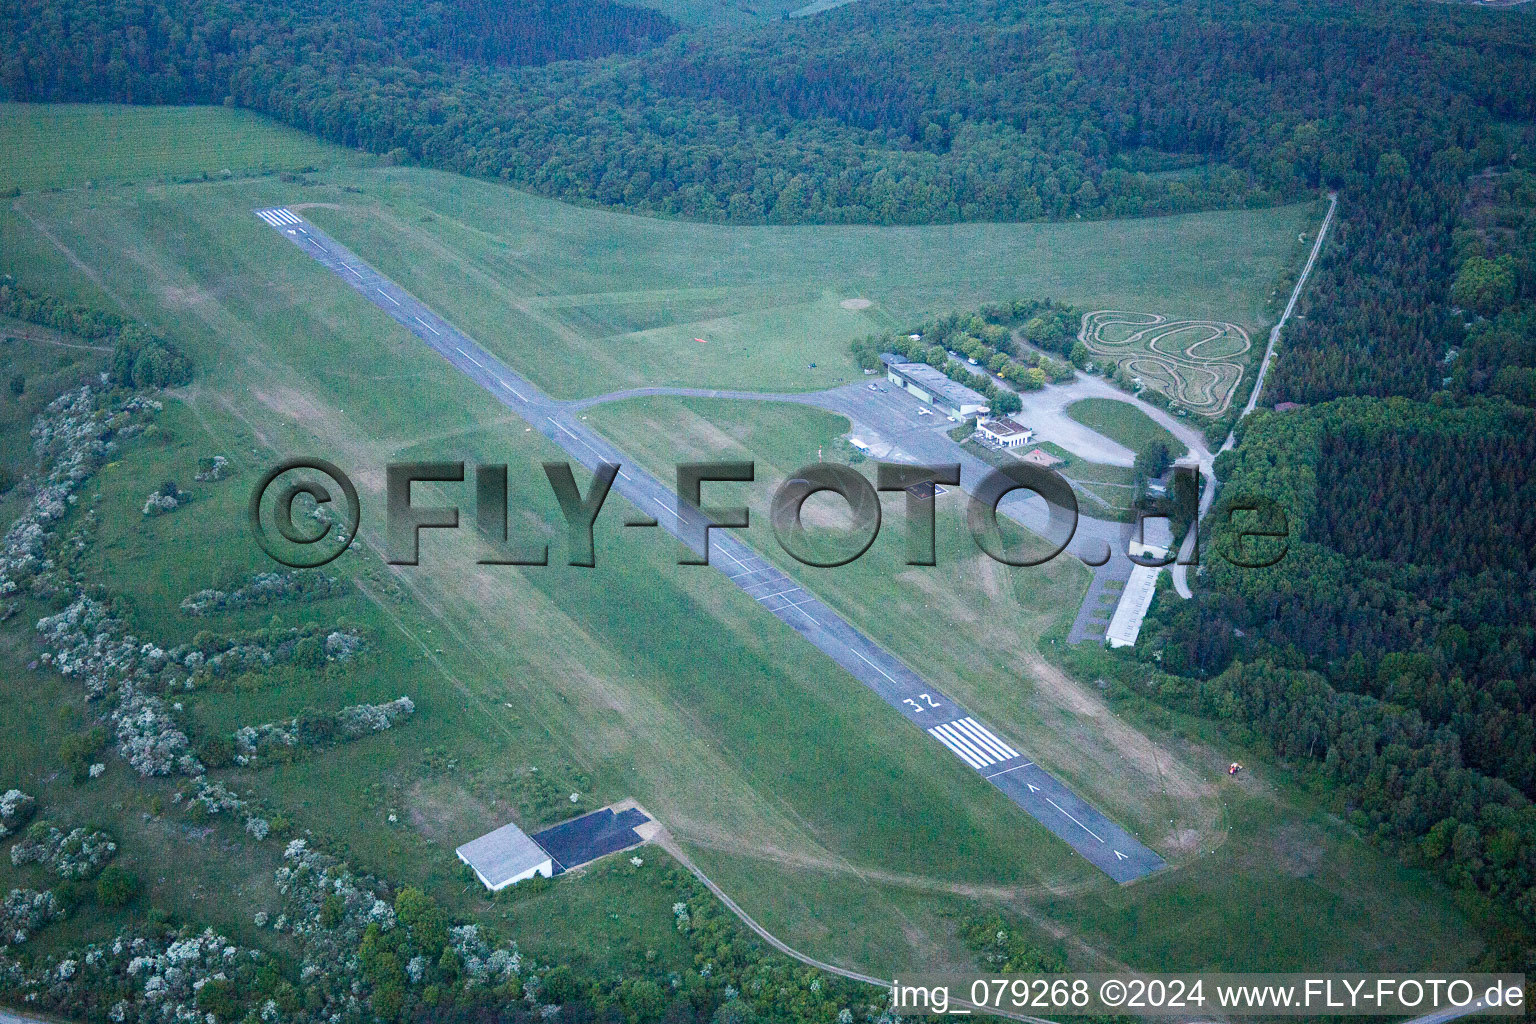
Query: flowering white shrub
[482, 964]
[267, 588]
[340, 646]
[150, 739]
[211, 470]
[313, 730]
[16, 808]
[24, 912]
[73, 436]
[76, 854]
[158, 504]
[362, 719]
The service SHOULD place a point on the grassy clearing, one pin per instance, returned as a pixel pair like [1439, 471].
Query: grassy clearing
[62, 145]
[1123, 422]
[586, 301]
[612, 683]
[1104, 492]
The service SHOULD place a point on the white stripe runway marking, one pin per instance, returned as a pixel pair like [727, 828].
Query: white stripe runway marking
[987, 737]
[977, 745]
[992, 750]
[669, 511]
[471, 358]
[269, 218]
[1079, 824]
[286, 217]
[512, 389]
[388, 296]
[1005, 771]
[948, 731]
[963, 755]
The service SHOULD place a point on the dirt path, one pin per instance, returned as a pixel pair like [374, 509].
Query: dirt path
[664, 840]
[43, 336]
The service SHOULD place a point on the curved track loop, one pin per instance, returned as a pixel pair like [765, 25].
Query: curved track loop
[1194, 362]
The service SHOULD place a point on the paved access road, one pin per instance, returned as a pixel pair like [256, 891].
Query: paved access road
[975, 744]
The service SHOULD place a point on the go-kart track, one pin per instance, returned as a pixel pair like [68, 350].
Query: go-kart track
[977, 746]
[1197, 363]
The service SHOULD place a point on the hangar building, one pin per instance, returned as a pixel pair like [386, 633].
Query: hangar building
[505, 856]
[933, 387]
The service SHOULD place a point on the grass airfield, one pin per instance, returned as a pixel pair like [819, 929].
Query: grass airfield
[614, 677]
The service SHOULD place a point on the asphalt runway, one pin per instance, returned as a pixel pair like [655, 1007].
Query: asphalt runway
[971, 741]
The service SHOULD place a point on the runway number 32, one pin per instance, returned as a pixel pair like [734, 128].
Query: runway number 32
[931, 702]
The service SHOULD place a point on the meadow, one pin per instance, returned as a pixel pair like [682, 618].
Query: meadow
[1123, 422]
[585, 302]
[65, 145]
[612, 683]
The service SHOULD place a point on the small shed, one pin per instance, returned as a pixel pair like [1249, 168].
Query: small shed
[504, 857]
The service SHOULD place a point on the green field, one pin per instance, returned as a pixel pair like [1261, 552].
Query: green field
[586, 302]
[67, 144]
[1123, 422]
[612, 682]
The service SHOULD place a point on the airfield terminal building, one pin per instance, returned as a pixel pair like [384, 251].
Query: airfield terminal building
[1004, 433]
[931, 386]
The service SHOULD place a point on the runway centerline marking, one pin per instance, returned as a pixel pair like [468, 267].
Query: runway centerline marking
[1079, 824]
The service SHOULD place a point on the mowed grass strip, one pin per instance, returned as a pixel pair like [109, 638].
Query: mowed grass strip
[1123, 422]
[62, 145]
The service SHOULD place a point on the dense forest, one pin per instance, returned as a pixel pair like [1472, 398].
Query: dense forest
[1405, 608]
[140, 359]
[1394, 645]
[931, 111]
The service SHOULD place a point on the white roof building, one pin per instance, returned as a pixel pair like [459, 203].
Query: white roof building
[1136, 599]
[1005, 433]
[505, 856]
